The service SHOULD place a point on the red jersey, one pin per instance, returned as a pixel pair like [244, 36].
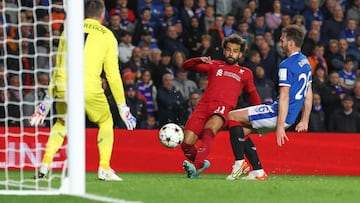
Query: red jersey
[226, 81]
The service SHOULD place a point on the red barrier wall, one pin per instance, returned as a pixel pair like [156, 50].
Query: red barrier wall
[140, 151]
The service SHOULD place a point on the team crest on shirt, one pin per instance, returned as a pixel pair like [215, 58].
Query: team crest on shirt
[241, 71]
[220, 72]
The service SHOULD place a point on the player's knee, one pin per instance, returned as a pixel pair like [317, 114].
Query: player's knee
[189, 137]
[232, 115]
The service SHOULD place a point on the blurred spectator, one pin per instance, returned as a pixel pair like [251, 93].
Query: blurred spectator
[170, 102]
[357, 95]
[144, 23]
[36, 95]
[332, 27]
[345, 52]
[317, 57]
[353, 12]
[258, 40]
[42, 26]
[331, 94]
[192, 39]
[345, 119]
[43, 57]
[268, 38]
[15, 97]
[243, 31]
[317, 116]
[206, 49]
[285, 21]
[312, 12]
[164, 22]
[292, 7]
[4, 95]
[125, 48]
[311, 39]
[355, 51]
[172, 42]
[332, 56]
[253, 60]
[259, 27]
[222, 7]
[200, 8]
[350, 33]
[228, 27]
[125, 20]
[216, 33]
[177, 61]
[114, 26]
[164, 67]
[117, 9]
[155, 9]
[147, 40]
[186, 12]
[299, 20]
[320, 78]
[264, 86]
[348, 76]
[154, 59]
[247, 16]
[268, 62]
[149, 124]
[253, 6]
[57, 16]
[184, 85]
[147, 88]
[135, 62]
[144, 56]
[136, 105]
[273, 18]
[203, 83]
[208, 19]
[328, 8]
[193, 101]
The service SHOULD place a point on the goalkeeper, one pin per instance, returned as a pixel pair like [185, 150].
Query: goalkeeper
[100, 54]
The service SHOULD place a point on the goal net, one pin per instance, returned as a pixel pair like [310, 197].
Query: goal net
[30, 32]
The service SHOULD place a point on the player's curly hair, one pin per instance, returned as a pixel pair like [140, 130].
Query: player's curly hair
[235, 39]
[295, 33]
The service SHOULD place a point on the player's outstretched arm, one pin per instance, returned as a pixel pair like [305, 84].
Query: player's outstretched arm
[41, 111]
[127, 117]
[302, 126]
[283, 111]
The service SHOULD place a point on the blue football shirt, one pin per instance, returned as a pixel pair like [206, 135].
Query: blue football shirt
[295, 72]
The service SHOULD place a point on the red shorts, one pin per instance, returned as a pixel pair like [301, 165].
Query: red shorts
[203, 112]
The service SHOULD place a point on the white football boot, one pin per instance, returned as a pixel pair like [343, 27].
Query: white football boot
[108, 175]
[256, 175]
[238, 169]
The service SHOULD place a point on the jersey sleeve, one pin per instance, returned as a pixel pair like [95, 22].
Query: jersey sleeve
[196, 64]
[57, 86]
[250, 89]
[285, 75]
[111, 68]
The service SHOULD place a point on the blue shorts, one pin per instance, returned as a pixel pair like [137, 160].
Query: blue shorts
[263, 118]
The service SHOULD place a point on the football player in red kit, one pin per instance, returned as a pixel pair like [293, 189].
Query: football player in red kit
[226, 81]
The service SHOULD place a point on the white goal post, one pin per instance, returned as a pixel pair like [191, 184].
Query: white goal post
[72, 178]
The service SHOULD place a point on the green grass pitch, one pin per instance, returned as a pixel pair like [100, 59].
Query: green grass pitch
[213, 188]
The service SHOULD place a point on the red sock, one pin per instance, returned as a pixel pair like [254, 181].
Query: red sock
[204, 149]
[189, 151]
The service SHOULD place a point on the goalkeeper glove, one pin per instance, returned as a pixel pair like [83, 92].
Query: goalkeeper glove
[41, 112]
[127, 117]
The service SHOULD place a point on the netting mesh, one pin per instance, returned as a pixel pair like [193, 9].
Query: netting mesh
[29, 32]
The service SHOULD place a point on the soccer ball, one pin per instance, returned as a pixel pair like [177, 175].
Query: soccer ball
[171, 135]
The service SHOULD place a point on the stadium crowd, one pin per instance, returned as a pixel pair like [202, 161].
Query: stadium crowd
[155, 37]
